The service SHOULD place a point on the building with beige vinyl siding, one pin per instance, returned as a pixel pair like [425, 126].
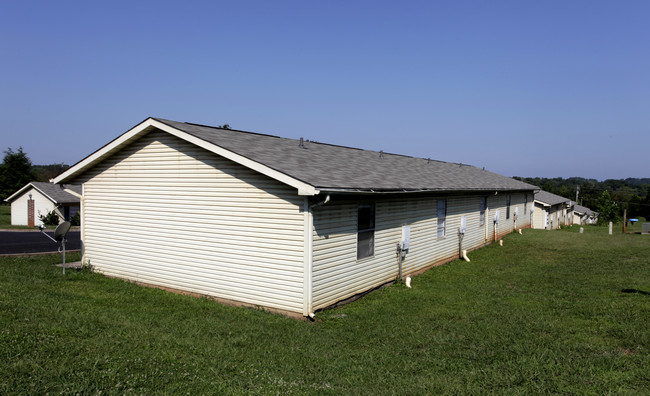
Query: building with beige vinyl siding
[285, 224]
[582, 215]
[551, 211]
[37, 199]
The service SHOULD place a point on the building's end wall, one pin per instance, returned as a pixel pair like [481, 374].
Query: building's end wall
[166, 212]
[42, 206]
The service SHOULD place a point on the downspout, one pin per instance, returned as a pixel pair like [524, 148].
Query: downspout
[309, 255]
[82, 227]
[401, 253]
[461, 235]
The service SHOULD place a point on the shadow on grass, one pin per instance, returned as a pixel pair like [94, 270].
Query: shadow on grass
[635, 291]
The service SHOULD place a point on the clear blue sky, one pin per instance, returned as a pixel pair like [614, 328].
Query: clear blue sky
[527, 88]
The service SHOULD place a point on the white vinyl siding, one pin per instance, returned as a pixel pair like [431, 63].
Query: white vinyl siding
[42, 206]
[166, 212]
[578, 218]
[337, 274]
[539, 216]
[555, 215]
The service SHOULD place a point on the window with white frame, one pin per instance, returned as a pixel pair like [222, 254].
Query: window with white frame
[442, 217]
[508, 207]
[525, 203]
[482, 207]
[365, 230]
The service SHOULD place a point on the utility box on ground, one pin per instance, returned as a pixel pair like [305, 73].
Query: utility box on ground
[645, 230]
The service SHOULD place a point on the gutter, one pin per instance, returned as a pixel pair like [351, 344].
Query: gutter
[413, 191]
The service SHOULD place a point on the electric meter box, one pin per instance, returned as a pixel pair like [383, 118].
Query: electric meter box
[406, 237]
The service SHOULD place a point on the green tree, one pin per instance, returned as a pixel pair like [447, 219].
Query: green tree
[44, 173]
[607, 208]
[634, 206]
[645, 207]
[15, 172]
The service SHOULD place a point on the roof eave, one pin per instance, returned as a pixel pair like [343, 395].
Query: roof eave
[103, 152]
[25, 188]
[418, 190]
[73, 193]
[46, 196]
[18, 193]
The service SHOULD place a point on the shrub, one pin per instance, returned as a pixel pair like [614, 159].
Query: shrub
[50, 219]
[76, 219]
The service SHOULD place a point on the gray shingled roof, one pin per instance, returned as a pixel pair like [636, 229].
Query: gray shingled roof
[549, 199]
[336, 168]
[582, 209]
[57, 193]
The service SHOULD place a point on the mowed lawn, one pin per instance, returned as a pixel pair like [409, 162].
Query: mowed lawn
[549, 312]
[5, 216]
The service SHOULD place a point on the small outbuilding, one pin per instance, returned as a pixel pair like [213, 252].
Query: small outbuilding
[551, 211]
[37, 199]
[285, 224]
[583, 215]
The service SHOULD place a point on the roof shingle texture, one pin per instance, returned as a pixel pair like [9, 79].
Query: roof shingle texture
[57, 192]
[330, 167]
[549, 199]
[582, 209]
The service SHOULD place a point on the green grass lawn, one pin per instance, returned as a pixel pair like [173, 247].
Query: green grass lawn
[549, 312]
[617, 228]
[5, 216]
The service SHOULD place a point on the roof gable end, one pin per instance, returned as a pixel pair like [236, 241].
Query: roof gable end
[164, 125]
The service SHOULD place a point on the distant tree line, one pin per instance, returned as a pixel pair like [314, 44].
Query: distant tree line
[17, 169]
[610, 197]
[47, 172]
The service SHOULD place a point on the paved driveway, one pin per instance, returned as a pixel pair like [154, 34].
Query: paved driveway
[15, 242]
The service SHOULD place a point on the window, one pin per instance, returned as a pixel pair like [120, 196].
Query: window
[507, 207]
[442, 217]
[365, 231]
[525, 203]
[482, 206]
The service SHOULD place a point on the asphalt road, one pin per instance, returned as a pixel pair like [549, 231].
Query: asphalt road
[12, 242]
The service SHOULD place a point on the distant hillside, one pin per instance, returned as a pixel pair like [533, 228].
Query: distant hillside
[632, 194]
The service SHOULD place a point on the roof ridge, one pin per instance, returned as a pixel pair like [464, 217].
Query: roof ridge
[321, 143]
[234, 130]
